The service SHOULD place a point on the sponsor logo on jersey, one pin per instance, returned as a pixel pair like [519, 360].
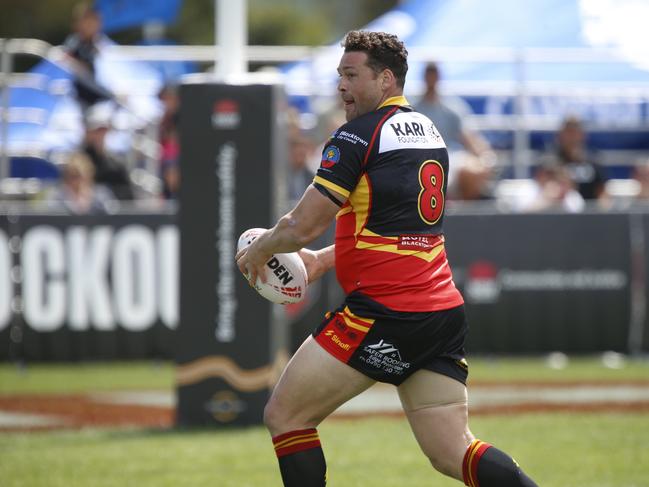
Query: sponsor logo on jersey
[349, 137]
[409, 131]
[330, 156]
[417, 242]
[405, 129]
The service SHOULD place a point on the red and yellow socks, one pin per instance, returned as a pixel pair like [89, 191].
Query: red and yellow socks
[486, 466]
[301, 460]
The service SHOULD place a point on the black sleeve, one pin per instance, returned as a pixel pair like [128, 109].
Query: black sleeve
[327, 193]
[341, 164]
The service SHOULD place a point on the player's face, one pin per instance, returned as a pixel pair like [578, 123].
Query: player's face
[359, 86]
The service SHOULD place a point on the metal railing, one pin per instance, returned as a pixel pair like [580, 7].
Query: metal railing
[520, 122]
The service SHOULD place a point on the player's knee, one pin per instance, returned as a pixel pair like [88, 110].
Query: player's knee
[273, 418]
[443, 465]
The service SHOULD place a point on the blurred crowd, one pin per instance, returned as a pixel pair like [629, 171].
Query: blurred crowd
[94, 179]
[566, 177]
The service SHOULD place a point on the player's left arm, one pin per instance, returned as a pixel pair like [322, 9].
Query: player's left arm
[307, 221]
[318, 262]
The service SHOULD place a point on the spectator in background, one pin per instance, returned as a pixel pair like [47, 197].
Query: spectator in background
[109, 169]
[169, 142]
[641, 175]
[300, 174]
[470, 171]
[554, 189]
[82, 47]
[572, 153]
[78, 193]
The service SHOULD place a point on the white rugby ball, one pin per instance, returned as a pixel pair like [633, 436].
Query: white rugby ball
[286, 277]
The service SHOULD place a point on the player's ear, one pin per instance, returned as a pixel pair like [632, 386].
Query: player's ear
[387, 78]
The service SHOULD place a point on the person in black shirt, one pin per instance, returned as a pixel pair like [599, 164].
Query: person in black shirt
[82, 47]
[572, 153]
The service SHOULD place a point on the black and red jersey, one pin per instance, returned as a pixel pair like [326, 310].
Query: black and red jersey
[392, 165]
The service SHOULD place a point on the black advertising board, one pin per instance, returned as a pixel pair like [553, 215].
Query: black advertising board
[8, 325]
[80, 288]
[88, 288]
[228, 340]
[541, 282]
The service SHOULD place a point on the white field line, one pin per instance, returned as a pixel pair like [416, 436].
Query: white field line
[25, 420]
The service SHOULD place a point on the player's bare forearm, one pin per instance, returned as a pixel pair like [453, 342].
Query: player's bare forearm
[306, 222]
[317, 262]
[301, 226]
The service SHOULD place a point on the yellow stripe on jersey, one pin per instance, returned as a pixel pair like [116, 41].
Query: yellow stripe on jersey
[369, 233]
[344, 210]
[395, 100]
[330, 185]
[392, 248]
[360, 201]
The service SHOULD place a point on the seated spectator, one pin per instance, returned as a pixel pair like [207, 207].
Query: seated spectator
[77, 193]
[554, 189]
[109, 169]
[470, 170]
[473, 179]
[572, 153]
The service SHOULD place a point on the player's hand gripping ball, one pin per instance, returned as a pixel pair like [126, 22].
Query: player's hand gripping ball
[286, 277]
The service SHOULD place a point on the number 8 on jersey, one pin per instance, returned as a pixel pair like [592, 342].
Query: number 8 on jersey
[431, 196]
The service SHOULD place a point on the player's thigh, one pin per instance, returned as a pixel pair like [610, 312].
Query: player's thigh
[436, 408]
[312, 386]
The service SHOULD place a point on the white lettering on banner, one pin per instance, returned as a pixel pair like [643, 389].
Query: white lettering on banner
[168, 273]
[6, 285]
[555, 280]
[88, 287]
[43, 261]
[224, 321]
[94, 277]
[134, 277]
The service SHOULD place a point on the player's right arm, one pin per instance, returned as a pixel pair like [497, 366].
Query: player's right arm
[306, 222]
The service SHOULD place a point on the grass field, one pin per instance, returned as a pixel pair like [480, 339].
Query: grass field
[95, 377]
[558, 450]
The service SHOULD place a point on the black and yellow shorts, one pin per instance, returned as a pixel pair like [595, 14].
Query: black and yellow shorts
[389, 346]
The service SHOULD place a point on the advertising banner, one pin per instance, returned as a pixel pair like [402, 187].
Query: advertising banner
[541, 282]
[75, 288]
[229, 342]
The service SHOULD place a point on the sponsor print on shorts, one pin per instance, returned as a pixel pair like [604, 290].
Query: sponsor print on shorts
[384, 356]
[343, 334]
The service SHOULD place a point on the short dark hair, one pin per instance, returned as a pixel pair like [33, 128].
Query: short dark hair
[384, 51]
[432, 68]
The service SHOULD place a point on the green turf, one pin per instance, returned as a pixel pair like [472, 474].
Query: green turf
[558, 450]
[90, 377]
[85, 377]
[536, 369]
